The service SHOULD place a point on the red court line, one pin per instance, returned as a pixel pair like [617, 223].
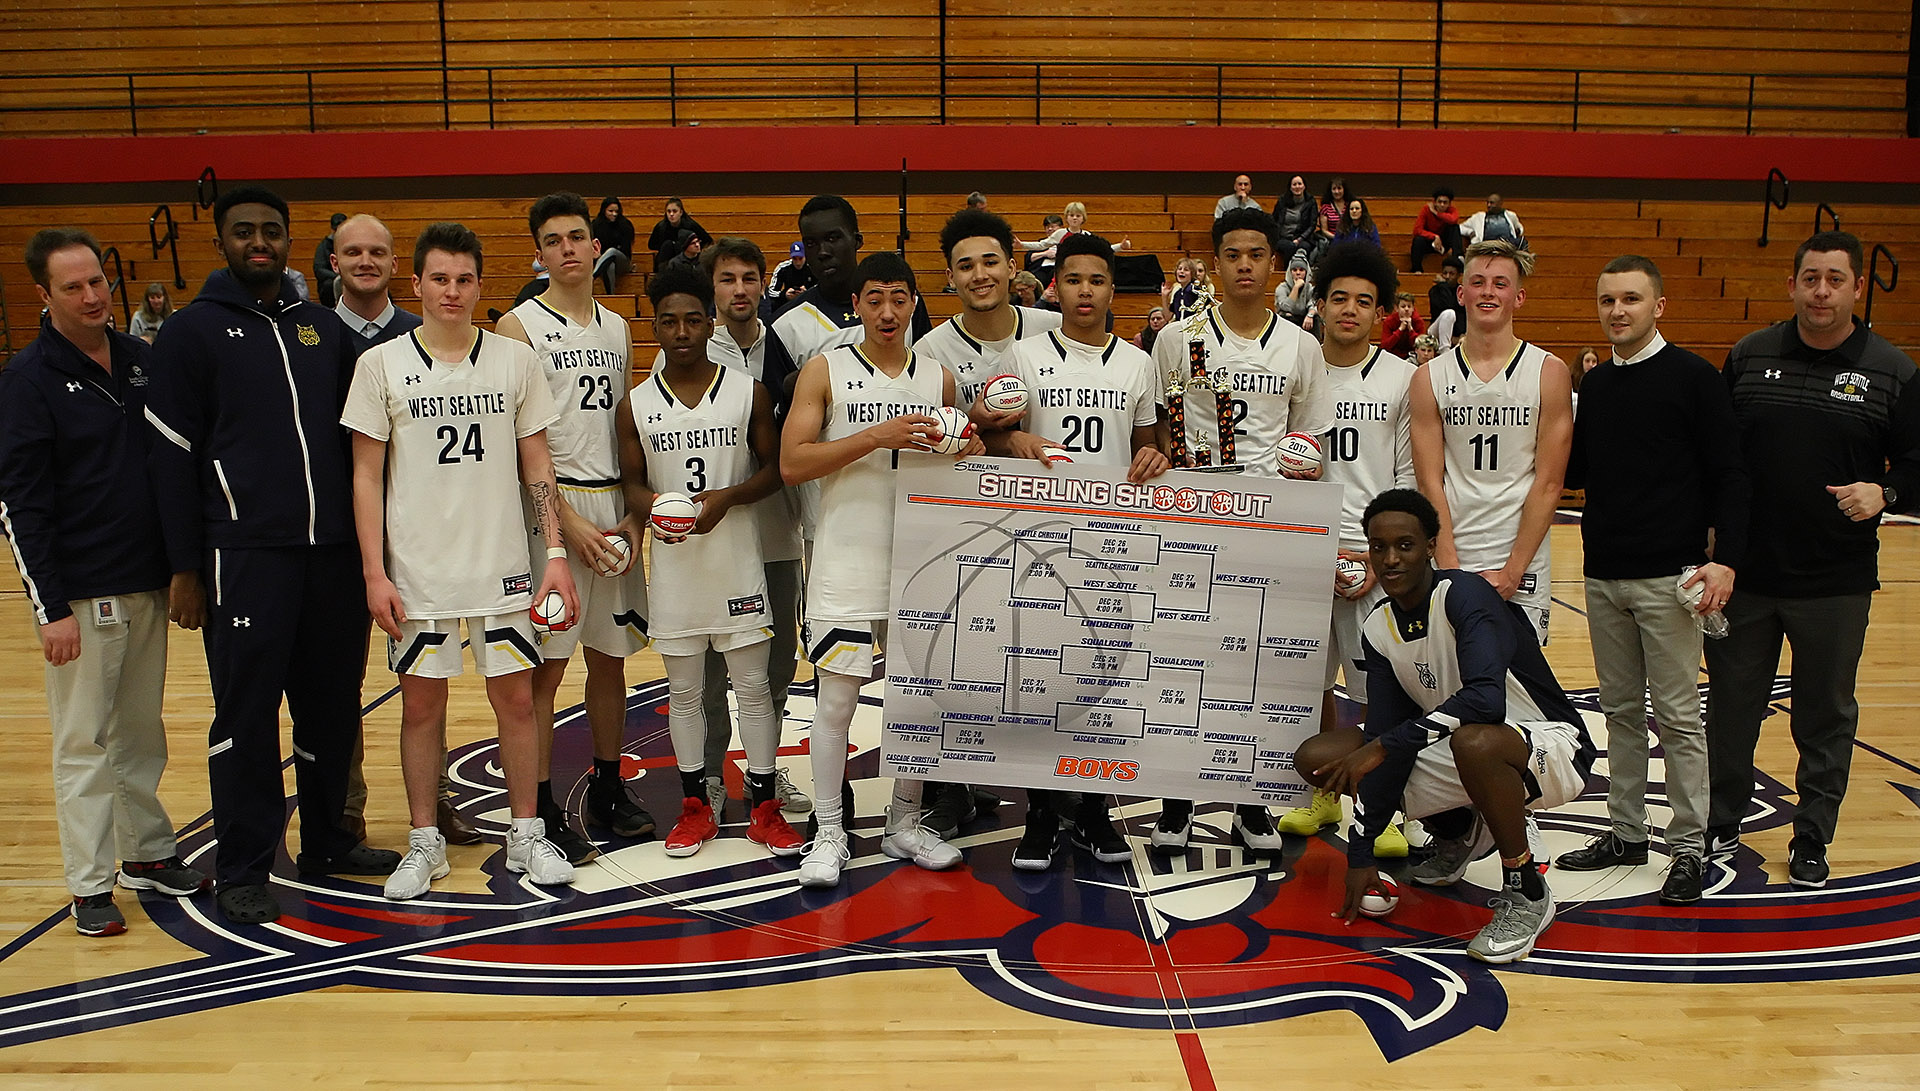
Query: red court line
[1109, 513]
[1194, 1056]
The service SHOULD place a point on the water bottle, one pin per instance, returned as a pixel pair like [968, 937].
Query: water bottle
[1713, 623]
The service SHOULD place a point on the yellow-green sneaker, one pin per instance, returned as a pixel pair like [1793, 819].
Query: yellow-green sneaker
[1306, 821]
[1391, 844]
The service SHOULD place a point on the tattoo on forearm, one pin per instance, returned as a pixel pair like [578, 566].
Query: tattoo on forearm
[544, 522]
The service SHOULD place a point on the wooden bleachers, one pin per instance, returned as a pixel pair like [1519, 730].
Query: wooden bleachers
[1720, 283]
[1706, 66]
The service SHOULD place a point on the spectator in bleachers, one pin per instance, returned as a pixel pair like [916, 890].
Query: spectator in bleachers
[1398, 330]
[1026, 289]
[673, 220]
[686, 253]
[298, 281]
[1293, 299]
[1333, 204]
[1424, 348]
[614, 233]
[324, 277]
[1495, 223]
[1356, 224]
[977, 201]
[1040, 253]
[1241, 197]
[1190, 275]
[1156, 321]
[1437, 231]
[791, 278]
[154, 308]
[1580, 363]
[1299, 217]
[1443, 302]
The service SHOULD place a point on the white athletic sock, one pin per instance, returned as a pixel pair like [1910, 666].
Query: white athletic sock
[686, 717]
[833, 709]
[759, 726]
[522, 828]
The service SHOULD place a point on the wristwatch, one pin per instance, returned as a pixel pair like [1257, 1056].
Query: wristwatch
[1892, 496]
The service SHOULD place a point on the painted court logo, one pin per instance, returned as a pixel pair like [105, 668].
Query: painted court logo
[1212, 938]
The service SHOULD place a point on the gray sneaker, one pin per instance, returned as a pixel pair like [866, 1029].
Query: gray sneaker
[1448, 859]
[1517, 922]
[717, 798]
[792, 800]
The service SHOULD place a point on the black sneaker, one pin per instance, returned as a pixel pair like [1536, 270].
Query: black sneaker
[1610, 850]
[1683, 880]
[1093, 830]
[169, 876]
[248, 903]
[1040, 841]
[577, 849]
[1807, 863]
[609, 804]
[1722, 842]
[1174, 828]
[358, 860]
[96, 915]
[953, 807]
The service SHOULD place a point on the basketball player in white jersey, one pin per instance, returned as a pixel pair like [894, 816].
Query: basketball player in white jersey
[975, 346]
[737, 269]
[708, 431]
[854, 409]
[448, 423]
[1098, 397]
[1368, 451]
[1275, 369]
[583, 347]
[1277, 379]
[1492, 428]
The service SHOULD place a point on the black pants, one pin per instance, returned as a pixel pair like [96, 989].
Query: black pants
[286, 622]
[1827, 635]
[1450, 243]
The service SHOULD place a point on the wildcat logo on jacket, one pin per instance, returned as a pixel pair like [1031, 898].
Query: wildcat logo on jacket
[1214, 937]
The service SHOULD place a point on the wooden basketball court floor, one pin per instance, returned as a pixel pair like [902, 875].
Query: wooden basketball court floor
[1215, 971]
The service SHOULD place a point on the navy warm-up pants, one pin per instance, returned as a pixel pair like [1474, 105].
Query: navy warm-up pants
[286, 622]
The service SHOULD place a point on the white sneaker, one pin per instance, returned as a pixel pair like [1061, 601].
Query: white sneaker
[529, 851]
[792, 800]
[828, 853]
[425, 861]
[717, 798]
[907, 839]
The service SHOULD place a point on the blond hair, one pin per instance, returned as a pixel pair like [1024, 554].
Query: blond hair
[1500, 248]
[1075, 208]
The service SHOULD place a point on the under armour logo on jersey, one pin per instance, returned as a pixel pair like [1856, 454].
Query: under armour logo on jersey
[243, 623]
[856, 384]
[556, 337]
[1046, 371]
[655, 418]
[235, 331]
[75, 387]
[1773, 373]
[412, 379]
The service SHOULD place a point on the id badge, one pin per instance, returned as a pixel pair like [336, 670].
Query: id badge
[106, 613]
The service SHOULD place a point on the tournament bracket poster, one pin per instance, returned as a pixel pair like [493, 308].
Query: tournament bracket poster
[1062, 628]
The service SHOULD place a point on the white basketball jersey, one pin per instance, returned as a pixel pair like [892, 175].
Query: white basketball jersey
[1370, 448]
[1491, 429]
[713, 582]
[853, 543]
[586, 372]
[778, 515]
[973, 361]
[456, 514]
[1087, 398]
[1276, 385]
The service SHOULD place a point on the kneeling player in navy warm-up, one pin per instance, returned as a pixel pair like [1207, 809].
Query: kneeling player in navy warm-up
[1466, 727]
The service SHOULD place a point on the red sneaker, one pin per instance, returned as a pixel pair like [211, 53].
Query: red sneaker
[770, 828]
[694, 829]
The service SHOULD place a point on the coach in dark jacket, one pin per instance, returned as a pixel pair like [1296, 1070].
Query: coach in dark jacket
[250, 470]
[75, 504]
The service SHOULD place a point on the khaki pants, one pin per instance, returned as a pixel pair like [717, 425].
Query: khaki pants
[109, 745]
[1646, 646]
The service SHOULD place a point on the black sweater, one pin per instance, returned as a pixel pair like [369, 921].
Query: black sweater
[1655, 446]
[1810, 418]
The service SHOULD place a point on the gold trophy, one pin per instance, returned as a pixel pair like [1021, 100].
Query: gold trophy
[1198, 455]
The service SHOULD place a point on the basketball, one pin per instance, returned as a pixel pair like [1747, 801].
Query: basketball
[1349, 575]
[1379, 905]
[1056, 455]
[1005, 394]
[551, 613]
[955, 431]
[619, 544]
[674, 514]
[1299, 453]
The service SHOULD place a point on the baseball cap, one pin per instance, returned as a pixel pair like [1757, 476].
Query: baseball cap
[796, 251]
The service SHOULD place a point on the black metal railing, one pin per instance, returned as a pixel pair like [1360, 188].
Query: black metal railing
[118, 285]
[168, 242]
[206, 190]
[884, 90]
[1823, 209]
[1774, 174]
[1874, 283]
